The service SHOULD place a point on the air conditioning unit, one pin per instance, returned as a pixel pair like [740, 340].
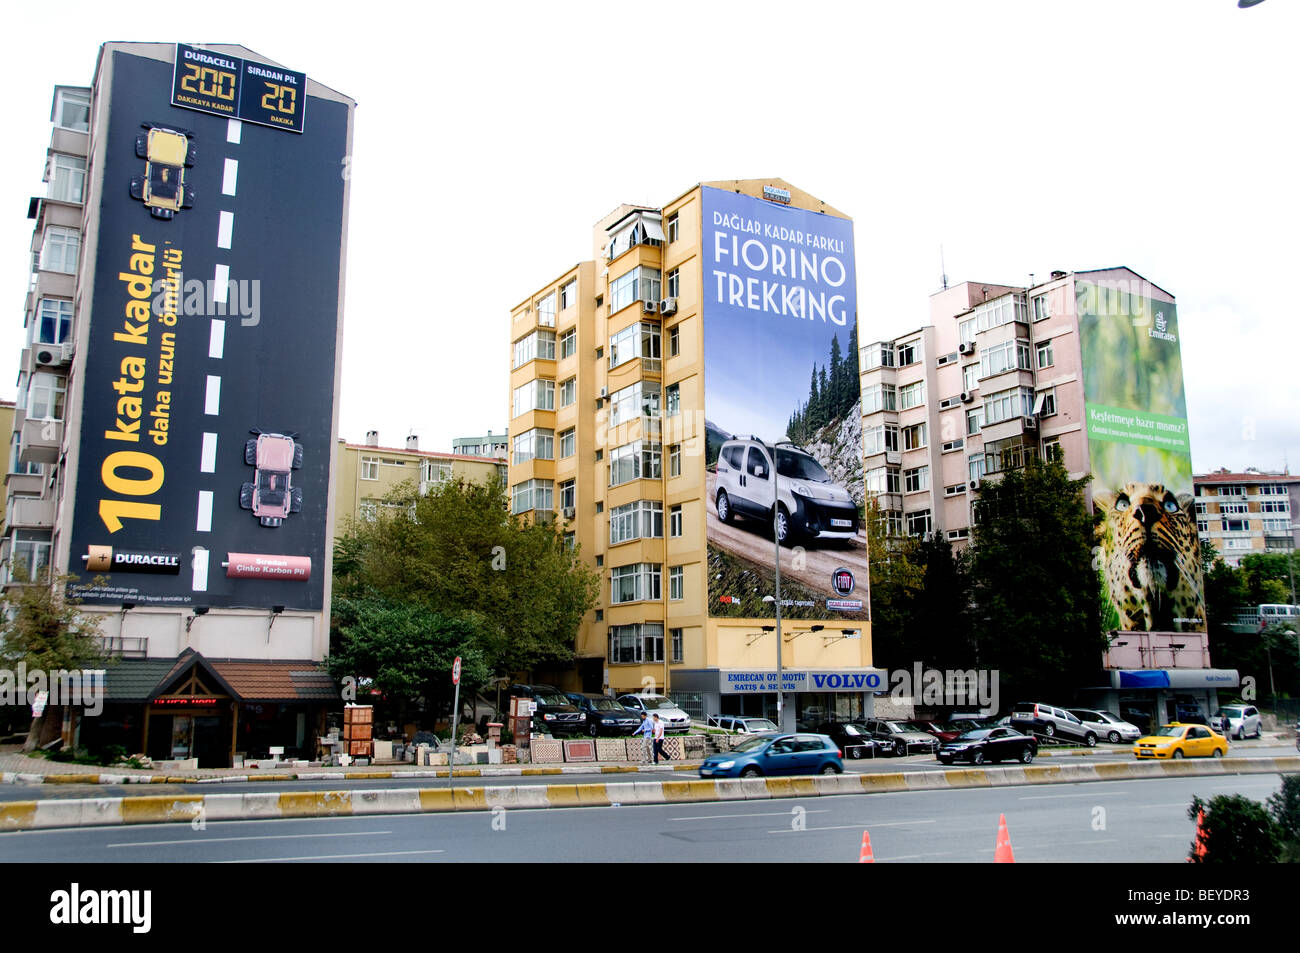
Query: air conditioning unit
[974, 484]
[568, 512]
[966, 347]
[650, 307]
[48, 355]
[967, 397]
[1031, 423]
[668, 306]
[67, 351]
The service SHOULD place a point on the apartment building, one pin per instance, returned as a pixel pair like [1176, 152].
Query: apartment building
[1242, 514]
[172, 448]
[489, 445]
[613, 434]
[367, 475]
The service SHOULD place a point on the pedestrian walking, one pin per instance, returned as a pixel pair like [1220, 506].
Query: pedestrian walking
[646, 730]
[659, 739]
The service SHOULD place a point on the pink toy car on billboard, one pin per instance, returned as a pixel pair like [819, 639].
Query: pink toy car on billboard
[271, 496]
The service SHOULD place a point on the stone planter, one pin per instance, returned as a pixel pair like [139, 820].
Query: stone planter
[547, 751]
[580, 750]
[693, 746]
[611, 749]
[673, 748]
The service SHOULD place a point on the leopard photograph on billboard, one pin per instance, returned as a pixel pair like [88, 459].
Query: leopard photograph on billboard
[1136, 409]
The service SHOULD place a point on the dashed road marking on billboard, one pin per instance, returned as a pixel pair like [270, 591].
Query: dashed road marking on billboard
[204, 523]
[229, 177]
[225, 229]
[208, 461]
[200, 563]
[234, 128]
[217, 339]
[212, 402]
[220, 283]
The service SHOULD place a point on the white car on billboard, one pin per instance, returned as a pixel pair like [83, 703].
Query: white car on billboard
[809, 504]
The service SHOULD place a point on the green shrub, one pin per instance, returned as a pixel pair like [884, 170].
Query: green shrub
[1235, 830]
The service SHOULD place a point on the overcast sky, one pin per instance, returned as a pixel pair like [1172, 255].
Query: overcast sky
[1021, 137]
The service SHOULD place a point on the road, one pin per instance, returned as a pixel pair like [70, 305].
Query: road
[1100, 822]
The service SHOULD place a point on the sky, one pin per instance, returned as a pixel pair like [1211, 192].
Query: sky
[1018, 137]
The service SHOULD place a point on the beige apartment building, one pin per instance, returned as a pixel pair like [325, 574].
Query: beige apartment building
[367, 474]
[1248, 513]
[608, 436]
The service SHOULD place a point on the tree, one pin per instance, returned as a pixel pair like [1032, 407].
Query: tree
[1039, 601]
[43, 629]
[457, 551]
[1234, 829]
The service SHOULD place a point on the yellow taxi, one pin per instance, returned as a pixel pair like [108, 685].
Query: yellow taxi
[1177, 740]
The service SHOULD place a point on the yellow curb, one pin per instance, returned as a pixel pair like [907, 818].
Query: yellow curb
[156, 808]
[686, 767]
[17, 815]
[791, 787]
[72, 779]
[534, 772]
[436, 799]
[469, 799]
[616, 769]
[1113, 770]
[873, 783]
[576, 795]
[363, 775]
[316, 804]
[968, 778]
[272, 777]
[700, 790]
[468, 772]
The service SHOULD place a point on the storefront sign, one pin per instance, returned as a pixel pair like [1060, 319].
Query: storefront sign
[185, 702]
[806, 680]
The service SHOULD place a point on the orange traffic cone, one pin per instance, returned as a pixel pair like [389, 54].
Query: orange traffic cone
[866, 857]
[1003, 854]
[1198, 848]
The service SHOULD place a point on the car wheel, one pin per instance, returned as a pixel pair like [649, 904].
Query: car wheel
[1090, 740]
[782, 524]
[297, 456]
[1178, 752]
[1218, 752]
[1026, 754]
[900, 750]
[1050, 730]
[250, 452]
[295, 499]
[857, 752]
[829, 768]
[593, 729]
[1113, 737]
[750, 772]
[1259, 730]
[246, 496]
[723, 505]
[977, 758]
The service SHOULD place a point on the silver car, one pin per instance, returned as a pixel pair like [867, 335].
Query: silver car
[1243, 721]
[1111, 727]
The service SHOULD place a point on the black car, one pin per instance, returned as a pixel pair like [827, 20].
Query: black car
[604, 715]
[906, 737]
[989, 744]
[854, 740]
[554, 713]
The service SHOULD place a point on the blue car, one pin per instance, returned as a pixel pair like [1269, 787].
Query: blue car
[775, 754]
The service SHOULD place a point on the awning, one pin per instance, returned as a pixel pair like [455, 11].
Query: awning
[1175, 678]
[653, 227]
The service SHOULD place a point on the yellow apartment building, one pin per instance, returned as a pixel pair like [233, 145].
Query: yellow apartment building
[611, 434]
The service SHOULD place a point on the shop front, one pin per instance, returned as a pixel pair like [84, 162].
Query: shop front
[1151, 697]
[812, 696]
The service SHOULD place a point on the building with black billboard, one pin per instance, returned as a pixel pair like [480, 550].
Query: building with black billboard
[177, 414]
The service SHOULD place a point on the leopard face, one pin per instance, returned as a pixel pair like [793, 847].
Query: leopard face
[1152, 558]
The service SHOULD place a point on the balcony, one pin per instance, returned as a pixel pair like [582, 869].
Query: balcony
[124, 646]
[41, 440]
[30, 512]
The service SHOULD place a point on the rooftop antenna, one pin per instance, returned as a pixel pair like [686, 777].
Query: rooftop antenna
[943, 271]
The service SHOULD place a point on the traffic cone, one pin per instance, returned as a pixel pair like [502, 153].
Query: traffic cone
[1198, 848]
[1003, 854]
[866, 857]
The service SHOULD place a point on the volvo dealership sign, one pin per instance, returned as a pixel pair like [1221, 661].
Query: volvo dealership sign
[733, 682]
[211, 351]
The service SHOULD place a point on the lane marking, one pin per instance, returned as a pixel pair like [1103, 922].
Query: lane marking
[233, 129]
[191, 841]
[220, 283]
[200, 559]
[229, 177]
[1052, 797]
[715, 817]
[293, 860]
[854, 827]
[208, 462]
[212, 402]
[225, 229]
[204, 524]
[217, 339]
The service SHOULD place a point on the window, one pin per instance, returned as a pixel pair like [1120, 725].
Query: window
[640, 582]
[975, 467]
[970, 377]
[639, 460]
[1272, 489]
[1234, 509]
[916, 480]
[643, 519]
[1276, 525]
[675, 460]
[569, 392]
[974, 421]
[568, 443]
[919, 523]
[674, 283]
[943, 359]
[1235, 543]
[45, 396]
[909, 353]
[1232, 490]
[1045, 356]
[1202, 526]
[1008, 454]
[1007, 356]
[966, 331]
[535, 444]
[539, 344]
[630, 644]
[635, 340]
[999, 311]
[677, 644]
[535, 395]
[676, 583]
[673, 399]
[72, 110]
[879, 397]
[546, 311]
[59, 249]
[880, 439]
[675, 521]
[956, 534]
[1052, 449]
[911, 395]
[957, 489]
[370, 468]
[568, 294]
[1042, 308]
[31, 553]
[1045, 402]
[877, 355]
[1005, 404]
[369, 510]
[637, 400]
[914, 437]
[55, 323]
[1275, 506]
[570, 541]
[883, 480]
[568, 495]
[17, 466]
[639, 284]
[67, 178]
[674, 341]
[951, 445]
[434, 471]
[672, 227]
[891, 522]
[532, 495]
[569, 343]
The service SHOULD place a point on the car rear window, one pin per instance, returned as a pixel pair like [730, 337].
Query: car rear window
[1025, 708]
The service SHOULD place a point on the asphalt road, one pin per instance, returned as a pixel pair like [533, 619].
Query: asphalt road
[1102, 822]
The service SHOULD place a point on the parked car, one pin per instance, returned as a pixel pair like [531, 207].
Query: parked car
[271, 496]
[1035, 718]
[764, 755]
[604, 716]
[854, 740]
[1243, 721]
[946, 731]
[906, 737]
[1177, 740]
[809, 503]
[167, 153]
[989, 744]
[674, 718]
[1107, 725]
[743, 724]
[555, 713]
[1189, 713]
